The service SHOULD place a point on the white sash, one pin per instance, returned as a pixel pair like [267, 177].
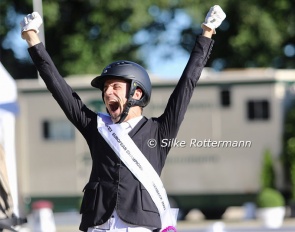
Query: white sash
[132, 157]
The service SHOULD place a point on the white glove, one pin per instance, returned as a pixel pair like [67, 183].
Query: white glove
[214, 18]
[31, 22]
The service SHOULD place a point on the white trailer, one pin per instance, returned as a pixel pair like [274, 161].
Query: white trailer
[233, 117]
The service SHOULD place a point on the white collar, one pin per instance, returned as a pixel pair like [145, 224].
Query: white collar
[133, 121]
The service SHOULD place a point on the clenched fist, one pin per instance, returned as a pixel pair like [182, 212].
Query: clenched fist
[214, 18]
[31, 22]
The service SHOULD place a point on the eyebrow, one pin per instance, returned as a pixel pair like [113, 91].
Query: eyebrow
[113, 83]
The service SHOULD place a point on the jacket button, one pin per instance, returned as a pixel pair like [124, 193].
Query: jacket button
[116, 181]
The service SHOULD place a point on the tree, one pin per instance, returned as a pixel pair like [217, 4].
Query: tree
[268, 172]
[289, 149]
[8, 25]
[84, 36]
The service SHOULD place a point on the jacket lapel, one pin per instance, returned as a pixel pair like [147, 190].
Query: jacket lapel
[137, 127]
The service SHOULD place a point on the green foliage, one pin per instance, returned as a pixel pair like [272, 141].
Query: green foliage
[268, 172]
[261, 31]
[292, 177]
[289, 149]
[269, 197]
[84, 36]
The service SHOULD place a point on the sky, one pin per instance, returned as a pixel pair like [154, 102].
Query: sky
[13, 39]
[167, 59]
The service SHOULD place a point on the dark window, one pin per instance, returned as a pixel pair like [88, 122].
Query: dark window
[258, 110]
[58, 130]
[45, 129]
[225, 97]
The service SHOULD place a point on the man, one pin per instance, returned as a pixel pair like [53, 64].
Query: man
[124, 192]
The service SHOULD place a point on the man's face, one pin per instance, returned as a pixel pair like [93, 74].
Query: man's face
[115, 91]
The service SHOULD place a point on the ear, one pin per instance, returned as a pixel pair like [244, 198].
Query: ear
[137, 94]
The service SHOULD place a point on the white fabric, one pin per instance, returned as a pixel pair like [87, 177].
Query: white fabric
[115, 224]
[8, 109]
[8, 89]
[133, 158]
[130, 124]
[129, 229]
[133, 121]
[31, 22]
[214, 17]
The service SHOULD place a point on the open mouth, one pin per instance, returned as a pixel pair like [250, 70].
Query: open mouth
[113, 106]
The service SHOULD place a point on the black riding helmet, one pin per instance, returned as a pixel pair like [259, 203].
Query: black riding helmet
[132, 72]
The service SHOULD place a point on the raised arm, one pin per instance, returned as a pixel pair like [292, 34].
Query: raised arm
[68, 100]
[178, 102]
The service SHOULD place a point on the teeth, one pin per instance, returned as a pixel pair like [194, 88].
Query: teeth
[113, 101]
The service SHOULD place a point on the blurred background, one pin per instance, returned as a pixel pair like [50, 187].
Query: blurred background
[83, 36]
[245, 97]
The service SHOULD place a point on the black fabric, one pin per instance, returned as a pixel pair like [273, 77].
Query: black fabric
[111, 185]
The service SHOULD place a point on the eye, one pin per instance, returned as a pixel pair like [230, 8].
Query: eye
[117, 86]
[106, 87]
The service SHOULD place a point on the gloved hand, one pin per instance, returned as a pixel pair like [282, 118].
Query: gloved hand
[31, 22]
[214, 18]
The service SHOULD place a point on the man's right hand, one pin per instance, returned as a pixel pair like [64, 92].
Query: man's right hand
[31, 22]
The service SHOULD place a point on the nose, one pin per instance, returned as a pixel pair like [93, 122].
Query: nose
[108, 90]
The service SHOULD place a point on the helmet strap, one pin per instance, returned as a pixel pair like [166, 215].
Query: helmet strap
[130, 102]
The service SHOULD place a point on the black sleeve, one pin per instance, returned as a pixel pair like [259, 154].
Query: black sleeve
[68, 100]
[171, 119]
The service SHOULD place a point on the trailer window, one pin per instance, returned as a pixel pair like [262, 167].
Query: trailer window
[225, 98]
[258, 110]
[58, 130]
